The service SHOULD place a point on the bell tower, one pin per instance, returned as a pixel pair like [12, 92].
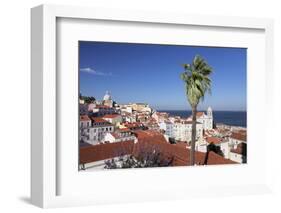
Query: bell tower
[209, 112]
[210, 118]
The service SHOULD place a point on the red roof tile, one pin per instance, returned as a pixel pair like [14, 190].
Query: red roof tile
[102, 106]
[111, 116]
[180, 154]
[239, 136]
[105, 151]
[150, 135]
[150, 141]
[84, 118]
[199, 114]
[124, 130]
[182, 144]
[214, 140]
[100, 121]
[242, 131]
[133, 124]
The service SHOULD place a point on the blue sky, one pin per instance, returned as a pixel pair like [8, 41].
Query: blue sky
[151, 73]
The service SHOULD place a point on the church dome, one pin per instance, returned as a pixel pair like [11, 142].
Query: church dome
[107, 96]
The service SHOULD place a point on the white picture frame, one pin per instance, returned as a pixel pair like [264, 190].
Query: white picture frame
[45, 154]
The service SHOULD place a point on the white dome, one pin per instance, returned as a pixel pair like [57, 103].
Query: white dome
[107, 96]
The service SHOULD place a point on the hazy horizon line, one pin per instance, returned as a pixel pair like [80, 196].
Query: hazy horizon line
[222, 110]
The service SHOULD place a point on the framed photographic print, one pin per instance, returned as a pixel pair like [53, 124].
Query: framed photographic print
[151, 125]
[130, 106]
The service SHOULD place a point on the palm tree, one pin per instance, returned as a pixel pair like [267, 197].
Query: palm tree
[197, 83]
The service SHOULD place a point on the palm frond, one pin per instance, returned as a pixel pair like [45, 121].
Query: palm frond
[197, 81]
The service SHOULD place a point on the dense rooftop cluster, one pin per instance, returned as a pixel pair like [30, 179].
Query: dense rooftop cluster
[110, 131]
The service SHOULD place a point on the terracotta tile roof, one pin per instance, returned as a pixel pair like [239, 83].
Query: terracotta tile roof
[149, 141]
[124, 130]
[105, 151]
[102, 106]
[98, 120]
[239, 136]
[180, 154]
[223, 131]
[150, 135]
[214, 140]
[84, 118]
[201, 158]
[214, 159]
[133, 124]
[242, 131]
[182, 144]
[199, 114]
[111, 116]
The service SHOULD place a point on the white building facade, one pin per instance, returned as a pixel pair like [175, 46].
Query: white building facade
[206, 120]
[120, 136]
[92, 131]
[168, 127]
[225, 148]
[235, 139]
[114, 119]
[182, 130]
[236, 157]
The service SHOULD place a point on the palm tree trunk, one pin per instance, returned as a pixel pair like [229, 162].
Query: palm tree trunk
[193, 136]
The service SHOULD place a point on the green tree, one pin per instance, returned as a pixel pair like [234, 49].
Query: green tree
[147, 156]
[87, 99]
[197, 83]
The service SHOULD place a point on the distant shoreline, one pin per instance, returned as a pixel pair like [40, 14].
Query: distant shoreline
[230, 118]
[220, 124]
